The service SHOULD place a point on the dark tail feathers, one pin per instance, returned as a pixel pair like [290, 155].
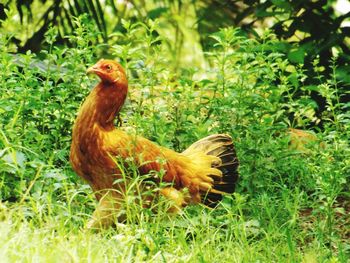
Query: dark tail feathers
[220, 145]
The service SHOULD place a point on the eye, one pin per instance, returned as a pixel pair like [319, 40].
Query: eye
[109, 67]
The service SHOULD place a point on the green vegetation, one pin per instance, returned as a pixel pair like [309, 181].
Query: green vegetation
[290, 205]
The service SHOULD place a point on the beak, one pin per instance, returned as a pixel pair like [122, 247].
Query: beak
[92, 70]
[95, 69]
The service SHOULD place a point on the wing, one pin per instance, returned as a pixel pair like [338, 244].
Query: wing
[149, 157]
[194, 172]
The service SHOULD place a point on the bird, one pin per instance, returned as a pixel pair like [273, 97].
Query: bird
[203, 173]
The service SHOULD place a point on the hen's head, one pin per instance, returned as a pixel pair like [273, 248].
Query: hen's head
[109, 71]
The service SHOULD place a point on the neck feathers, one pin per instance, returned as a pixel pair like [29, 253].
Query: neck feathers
[102, 105]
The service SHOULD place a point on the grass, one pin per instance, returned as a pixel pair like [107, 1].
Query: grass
[290, 205]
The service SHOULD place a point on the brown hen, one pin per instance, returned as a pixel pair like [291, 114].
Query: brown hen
[205, 171]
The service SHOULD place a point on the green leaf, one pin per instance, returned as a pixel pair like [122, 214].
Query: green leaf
[297, 55]
[18, 158]
[282, 4]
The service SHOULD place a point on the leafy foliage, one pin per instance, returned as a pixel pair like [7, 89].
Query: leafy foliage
[307, 31]
[37, 112]
[301, 25]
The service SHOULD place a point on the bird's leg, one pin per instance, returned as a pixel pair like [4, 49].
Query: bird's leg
[176, 197]
[106, 212]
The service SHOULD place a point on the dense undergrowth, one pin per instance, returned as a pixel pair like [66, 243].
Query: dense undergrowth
[290, 204]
